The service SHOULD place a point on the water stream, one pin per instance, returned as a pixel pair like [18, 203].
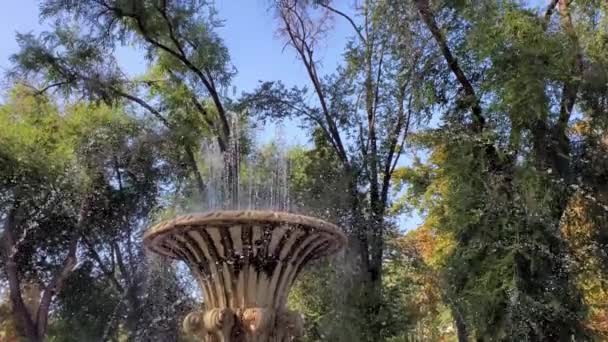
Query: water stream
[246, 176]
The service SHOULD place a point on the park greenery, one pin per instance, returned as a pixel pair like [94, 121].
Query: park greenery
[487, 119]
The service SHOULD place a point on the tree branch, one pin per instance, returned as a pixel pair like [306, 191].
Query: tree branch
[403, 122]
[50, 86]
[429, 19]
[179, 54]
[305, 53]
[56, 284]
[571, 86]
[189, 153]
[61, 274]
[378, 77]
[104, 269]
[192, 161]
[121, 264]
[345, 16]
[569, 93]
[144, 104]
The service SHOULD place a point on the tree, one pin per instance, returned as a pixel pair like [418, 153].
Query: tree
[317, 185]
[41, 191]
[127, 160]
[95, 155]
[507, 168]
[502, 108]
[364, 112]
[191, 63]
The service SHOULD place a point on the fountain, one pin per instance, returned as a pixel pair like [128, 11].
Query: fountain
[244, 262]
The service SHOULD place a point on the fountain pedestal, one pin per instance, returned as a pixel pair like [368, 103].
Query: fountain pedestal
[245, 263]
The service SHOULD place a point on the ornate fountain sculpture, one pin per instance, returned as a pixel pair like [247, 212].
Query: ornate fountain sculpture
[245, 262]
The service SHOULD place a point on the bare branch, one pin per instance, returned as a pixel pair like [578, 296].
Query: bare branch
[288, 13]
[345, 16]
[404, 137]
[144, 104]
[50, 86]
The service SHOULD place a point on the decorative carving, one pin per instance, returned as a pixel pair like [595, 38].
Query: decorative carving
[219, 323]
[193, 324]
[245, 262]
[293, 323]
[258, 321]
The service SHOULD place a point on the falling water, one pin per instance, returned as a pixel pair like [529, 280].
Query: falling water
[241, 178]
[257, 180]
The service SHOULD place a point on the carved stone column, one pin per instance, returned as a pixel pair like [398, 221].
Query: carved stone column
[245, 262]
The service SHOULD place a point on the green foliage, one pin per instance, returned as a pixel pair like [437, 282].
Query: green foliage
[78, 321]
[509, 269]
[505, 251]
[39, 171]
[32, 138]
[512, 247]
[316, 182]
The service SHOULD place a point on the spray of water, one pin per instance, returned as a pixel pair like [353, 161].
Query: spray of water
[243, 178]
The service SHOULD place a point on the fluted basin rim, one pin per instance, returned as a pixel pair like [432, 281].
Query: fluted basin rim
[226, 218]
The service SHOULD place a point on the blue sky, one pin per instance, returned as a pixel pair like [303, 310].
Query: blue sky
[248, 30]
[249, 33]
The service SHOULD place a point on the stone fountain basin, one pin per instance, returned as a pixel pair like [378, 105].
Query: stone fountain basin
[245, 259]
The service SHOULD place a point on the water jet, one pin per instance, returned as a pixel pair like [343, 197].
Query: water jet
[245, 263]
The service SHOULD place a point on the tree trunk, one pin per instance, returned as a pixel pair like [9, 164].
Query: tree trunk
[32, 325]
[26, 326]
[461, 326]
[359, 243]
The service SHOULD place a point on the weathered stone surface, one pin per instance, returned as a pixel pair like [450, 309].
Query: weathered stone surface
[245, 262]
